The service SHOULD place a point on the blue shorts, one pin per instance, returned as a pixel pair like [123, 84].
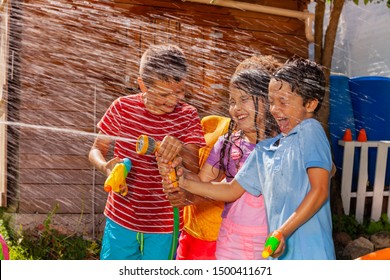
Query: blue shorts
[120, 243]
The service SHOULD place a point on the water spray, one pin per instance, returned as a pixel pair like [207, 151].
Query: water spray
[68, 131]
[116, 181]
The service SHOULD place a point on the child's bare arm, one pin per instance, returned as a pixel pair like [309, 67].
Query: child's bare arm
[190, 155]
[97, 155]
[170, 147]
[315, 198]
[220, 191]
[210, 173]
[207, 173]
[182, 197]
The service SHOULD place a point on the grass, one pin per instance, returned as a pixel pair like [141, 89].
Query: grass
[45, 243]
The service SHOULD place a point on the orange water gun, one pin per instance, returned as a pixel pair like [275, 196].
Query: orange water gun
[145, 146]
[271, 244]
[116, 181]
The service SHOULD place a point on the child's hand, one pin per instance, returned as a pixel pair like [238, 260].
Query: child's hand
[282, 246]
[168, 184]
[170, 147]
[166, 168]
[109, 166]
[177, 198]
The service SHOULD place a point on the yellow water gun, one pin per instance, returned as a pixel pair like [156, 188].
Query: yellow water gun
[116, 181]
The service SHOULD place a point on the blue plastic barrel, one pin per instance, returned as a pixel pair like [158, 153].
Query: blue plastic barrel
[341, 115]
[370, 97]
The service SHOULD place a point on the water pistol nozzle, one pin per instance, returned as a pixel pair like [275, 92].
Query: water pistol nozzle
[146, 146]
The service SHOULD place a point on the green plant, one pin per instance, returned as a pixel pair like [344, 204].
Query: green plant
[16, 251]
[373, 2]
[46, 243]
[347, 224]
[383, 224]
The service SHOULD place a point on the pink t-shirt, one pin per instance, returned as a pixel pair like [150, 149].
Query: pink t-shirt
[248, 210]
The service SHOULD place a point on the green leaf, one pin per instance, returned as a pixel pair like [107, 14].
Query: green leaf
[384, 218]
[374, 227]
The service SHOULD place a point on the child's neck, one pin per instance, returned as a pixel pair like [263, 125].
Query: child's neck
[249, 137]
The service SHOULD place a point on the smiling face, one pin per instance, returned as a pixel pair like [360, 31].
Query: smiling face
[162, 97]
[288, 107]
[242, 110]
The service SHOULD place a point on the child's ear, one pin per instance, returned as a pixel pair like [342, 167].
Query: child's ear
[311, 105]
[141, 84]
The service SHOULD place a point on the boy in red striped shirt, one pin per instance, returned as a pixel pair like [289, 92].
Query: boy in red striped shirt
[139, 225]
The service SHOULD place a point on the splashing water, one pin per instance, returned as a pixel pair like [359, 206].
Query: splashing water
[67, 131]
[70, 59]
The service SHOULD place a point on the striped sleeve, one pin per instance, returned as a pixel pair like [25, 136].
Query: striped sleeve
[192, 129]
[110, 123]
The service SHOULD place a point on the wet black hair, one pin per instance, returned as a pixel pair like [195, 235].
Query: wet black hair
[165, 62]
[255, 83]
[305, 77]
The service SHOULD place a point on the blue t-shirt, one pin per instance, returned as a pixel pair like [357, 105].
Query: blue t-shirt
[277, 169]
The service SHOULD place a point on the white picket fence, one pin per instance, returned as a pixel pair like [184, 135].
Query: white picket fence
[378, 192]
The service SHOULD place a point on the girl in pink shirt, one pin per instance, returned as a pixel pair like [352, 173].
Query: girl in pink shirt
[244, 226]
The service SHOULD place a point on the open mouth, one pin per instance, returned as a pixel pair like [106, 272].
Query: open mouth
[167, 107]
[241, 117]
[283, 124]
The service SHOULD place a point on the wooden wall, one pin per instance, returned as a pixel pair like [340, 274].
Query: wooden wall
[78, 56]
[4, 21]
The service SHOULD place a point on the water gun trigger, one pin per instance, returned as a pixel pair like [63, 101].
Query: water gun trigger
[124, 189]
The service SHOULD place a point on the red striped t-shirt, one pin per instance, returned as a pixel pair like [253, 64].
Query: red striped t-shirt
[145, 207]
